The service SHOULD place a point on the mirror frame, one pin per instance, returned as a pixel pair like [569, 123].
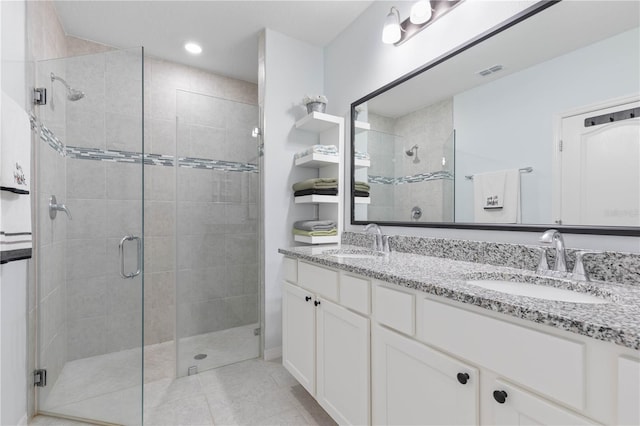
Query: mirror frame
[569, 229]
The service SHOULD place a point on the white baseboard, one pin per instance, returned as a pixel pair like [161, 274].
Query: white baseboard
[272, 354]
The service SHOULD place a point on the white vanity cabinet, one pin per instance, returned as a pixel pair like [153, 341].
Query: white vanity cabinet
[326, 346]
[414, 385]
[513, 406]
[437, 361]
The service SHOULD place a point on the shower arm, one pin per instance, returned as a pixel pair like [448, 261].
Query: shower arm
[61, 80]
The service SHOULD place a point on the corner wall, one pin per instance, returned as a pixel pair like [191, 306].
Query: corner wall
[357, 63]
[292, 70]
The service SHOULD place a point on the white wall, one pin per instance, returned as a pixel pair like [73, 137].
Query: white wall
[292, 70]
[13, 276]
[512, 134]
[357, 62]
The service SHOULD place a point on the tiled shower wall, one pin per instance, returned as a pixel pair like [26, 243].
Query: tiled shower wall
[105, 198]
[431, 128]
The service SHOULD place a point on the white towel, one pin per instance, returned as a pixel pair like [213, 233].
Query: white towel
[15, 158]
[496, 197]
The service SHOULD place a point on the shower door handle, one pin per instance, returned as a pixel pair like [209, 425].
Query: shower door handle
[139, 255]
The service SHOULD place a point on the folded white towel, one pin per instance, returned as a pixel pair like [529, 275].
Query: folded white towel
[16, 147]
[15, 154]
[496, 197]
[318, 149]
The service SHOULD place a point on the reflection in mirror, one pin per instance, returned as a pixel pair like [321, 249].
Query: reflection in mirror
[536, 125]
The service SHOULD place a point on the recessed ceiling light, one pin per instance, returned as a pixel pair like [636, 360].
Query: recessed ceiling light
[193, 48]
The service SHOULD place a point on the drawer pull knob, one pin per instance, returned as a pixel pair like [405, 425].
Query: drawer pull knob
[307, 298]
[500, 396]
[316, 302]
[463, 378]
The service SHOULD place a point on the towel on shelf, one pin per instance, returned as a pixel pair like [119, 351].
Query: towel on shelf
[314, 225]
[321, 233]
[15, 157]
[357, 193]
[362, 186]
[312, 191]
[318, 149]
[316, 183]
[496, 196]
[361, 155]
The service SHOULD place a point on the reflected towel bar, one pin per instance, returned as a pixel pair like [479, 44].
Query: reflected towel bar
[522, 170]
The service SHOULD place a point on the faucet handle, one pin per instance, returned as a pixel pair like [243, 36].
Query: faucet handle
[579, 272]
[543, 265]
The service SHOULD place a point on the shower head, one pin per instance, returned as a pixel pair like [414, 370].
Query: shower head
[412, 150]
[72, 94]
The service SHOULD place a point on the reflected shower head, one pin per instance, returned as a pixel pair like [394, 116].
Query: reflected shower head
[412, 150]
[72, 94]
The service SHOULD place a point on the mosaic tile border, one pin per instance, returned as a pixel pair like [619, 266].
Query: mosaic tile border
[117, 156]
[421, 177]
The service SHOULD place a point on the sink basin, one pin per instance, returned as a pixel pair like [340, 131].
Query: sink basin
[354, 254]
[537, 291]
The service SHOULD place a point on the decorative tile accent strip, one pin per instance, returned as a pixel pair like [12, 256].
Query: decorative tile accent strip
[421, 177]
[136, 157]
[601, 266]
[229, 166]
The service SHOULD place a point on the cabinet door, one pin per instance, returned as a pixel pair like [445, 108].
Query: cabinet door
[298, 335]
[413, 384]
[343, 363]
[628, 391]
[518, 407]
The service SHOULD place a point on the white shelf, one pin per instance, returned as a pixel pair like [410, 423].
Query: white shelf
[362, 200]
[318, 122]
[361, 126]
[361, 164]
[317, 240]
[317, 199]
[316, 160]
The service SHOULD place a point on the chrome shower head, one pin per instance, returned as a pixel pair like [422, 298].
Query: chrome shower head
[72, 94]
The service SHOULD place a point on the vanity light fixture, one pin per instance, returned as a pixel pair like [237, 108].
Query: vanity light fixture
[391, 32]
[193, 48]
[423, 14]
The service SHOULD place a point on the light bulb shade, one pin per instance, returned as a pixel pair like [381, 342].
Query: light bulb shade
[420, 12]
[391, 29]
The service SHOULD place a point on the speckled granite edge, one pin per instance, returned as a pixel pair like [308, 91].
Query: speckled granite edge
[617, 322]
[601, 266]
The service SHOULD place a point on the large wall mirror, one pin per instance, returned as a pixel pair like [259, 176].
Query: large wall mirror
[535, 124]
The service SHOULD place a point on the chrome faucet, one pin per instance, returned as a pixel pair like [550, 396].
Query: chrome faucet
[553, 236]
[381, 242]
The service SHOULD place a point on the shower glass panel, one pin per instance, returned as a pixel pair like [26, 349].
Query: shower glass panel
[89, 154]
[217, 232]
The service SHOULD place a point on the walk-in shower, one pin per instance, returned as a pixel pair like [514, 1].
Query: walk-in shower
[181, 177]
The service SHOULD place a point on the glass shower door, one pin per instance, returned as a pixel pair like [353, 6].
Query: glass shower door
[89, 153]
[217, 279]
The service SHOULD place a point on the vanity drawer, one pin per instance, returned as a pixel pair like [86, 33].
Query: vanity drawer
[395, 309]
[319, 280]
[355, 293]
[290, 272]
[551, 365]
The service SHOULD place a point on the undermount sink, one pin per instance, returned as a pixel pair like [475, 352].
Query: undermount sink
[354, 254]
[538, 291]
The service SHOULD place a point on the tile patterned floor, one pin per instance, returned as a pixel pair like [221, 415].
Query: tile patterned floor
[253, 392]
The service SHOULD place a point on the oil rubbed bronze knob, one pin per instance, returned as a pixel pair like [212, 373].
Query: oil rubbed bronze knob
[463, 378]
[500, 396]
[316, 302]
[307, 298]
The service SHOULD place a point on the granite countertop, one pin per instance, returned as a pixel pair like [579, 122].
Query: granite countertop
[617, 321]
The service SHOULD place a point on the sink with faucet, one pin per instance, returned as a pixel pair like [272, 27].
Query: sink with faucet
[538, 291]
[354, 254]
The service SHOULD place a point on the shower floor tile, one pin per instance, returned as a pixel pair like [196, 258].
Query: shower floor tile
[247, 392]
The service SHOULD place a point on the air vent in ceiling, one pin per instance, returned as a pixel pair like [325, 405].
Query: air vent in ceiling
[490, 70]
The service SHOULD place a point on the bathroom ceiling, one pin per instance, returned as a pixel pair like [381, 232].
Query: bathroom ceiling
[226, 30]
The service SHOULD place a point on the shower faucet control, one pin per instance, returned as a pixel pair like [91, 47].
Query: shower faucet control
[54, 208]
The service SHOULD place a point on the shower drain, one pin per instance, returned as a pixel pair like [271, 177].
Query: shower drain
[200, 356]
